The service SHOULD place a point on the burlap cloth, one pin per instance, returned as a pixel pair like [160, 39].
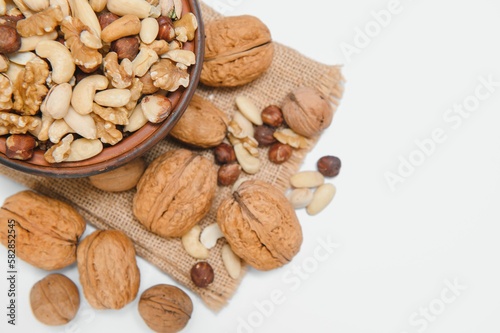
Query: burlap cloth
[114, 211]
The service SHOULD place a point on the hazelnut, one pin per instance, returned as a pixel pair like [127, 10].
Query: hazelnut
[126, 47]
[264, 135]
[202, 274]
[10, 20]
[329, 166]
[148, 86]
[272, 116]
[20, 146]
[224, 154]
[166, 29]
[280, 153]
[10, 41]
[106, 19]
[54, 300]
[228, 174]
[165, 308]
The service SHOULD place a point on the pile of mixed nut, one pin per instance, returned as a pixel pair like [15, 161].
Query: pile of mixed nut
[78, 75]
[256, 223]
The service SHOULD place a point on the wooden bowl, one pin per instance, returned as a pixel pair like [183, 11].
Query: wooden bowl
[135, 144]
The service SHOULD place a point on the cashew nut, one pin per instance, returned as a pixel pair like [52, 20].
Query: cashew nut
[136, 120]
[113, 97]
[83, 149]
[210, 235]
[58, 129]
[60, 59]
[84, 92]
[57, 101]
[30, 43]
[143, 61]
[81, 124]
[249, 163]
[231, 261]
[192, 244]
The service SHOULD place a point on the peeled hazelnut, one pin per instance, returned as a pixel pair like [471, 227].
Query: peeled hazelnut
[224, 153]
[228, 174]
[264, 135]
[280, 153]
[272, 116]
[106, 19]
[329, 166]
[126, 47]
[202, 274]
[10, 41]
[54, 300]
[20, 146]
[167, 30]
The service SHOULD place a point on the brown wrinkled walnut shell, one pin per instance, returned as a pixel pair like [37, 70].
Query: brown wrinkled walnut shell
[54, 300]
[238, 50]
[175, 193]
[165, 308]
[202, 125]
[260, 225]
[108, 270]
[307, 111]
[47, 230]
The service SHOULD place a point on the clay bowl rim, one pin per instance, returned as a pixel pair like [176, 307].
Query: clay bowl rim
[137, 143]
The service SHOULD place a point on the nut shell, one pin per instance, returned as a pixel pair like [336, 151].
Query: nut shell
[54, 300]
[165, 308]
[238, 50]
[260, 225]
[202, 125]
[307, 111]
[175, 193]
[47, 230]
[108, 270]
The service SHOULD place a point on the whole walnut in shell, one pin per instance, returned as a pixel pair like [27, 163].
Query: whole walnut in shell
[54, 300]
[238, 50]
[108, 269]
[307, 111]
[202, 125]
[260, 225]
[47, 230]
[165, 308]
[175, 192]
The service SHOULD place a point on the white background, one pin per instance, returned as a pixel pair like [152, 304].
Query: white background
[397, 248]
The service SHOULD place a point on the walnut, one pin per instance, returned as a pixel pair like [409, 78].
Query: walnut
[29, 88]
[202, 124]
[165, 308]
[108, 269]
[237, 135]
[11, 123]
[47, 230]
[40, 23]
[260, 225]
[54, 300]
[135, 94]
[5, 93]
[106, 131]
[117, 116]
[307, 111]
[60, 151]
[175, 193]
[238, 50]
[88, 59]
[167, 76]
[120, 75]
